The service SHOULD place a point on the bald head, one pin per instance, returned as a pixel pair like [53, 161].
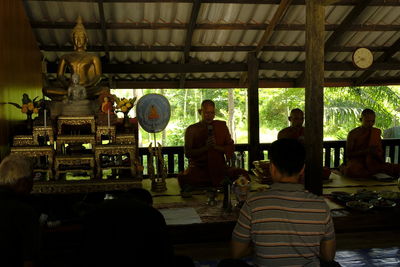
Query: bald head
[296, 117]
[207, 111]
[367, 118]
[16, 171]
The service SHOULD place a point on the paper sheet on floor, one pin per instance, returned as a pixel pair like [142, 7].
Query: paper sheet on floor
[178, 216]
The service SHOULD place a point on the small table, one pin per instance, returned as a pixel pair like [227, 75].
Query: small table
[116, 150]
[105, 130]
[43, 131]
[23, 140]
[35, 152]
[69, 120]
[75, 163]
[74, 139]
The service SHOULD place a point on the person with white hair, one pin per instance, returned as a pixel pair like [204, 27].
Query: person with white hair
[19, 223]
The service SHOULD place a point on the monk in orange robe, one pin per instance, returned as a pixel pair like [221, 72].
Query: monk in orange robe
[296, 129]
[364, 151]
[208, 144]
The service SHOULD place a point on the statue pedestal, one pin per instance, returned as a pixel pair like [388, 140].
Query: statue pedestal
[115, 150]
[76, 121]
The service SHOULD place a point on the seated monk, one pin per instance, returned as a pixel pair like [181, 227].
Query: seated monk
[208, 144]
[296, 131]
[364, 151]
[87, 66]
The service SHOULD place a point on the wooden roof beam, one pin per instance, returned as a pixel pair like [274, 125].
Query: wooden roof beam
[225, 67]
[336, 35]
[232, 83]
[189, 35]
[103, 30]
[346, 23]
[240, 48]
[279, 14]
[260, 2]
[139, 48]
[207, 26]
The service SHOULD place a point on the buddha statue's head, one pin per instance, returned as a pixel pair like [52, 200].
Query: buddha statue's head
[75, 78]
[79, 36]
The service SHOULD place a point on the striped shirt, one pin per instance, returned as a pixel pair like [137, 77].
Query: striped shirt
[286, 224]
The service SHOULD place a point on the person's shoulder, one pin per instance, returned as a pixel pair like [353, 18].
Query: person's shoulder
[377, 130]
[284, 130]
[355, 130]
[193, 126]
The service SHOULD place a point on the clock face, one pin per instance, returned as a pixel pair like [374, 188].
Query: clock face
[363, 58]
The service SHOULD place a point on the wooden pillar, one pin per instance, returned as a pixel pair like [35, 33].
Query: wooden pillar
[252, 104]
[314, 101]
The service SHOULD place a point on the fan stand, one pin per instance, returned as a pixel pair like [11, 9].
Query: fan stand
[158, 183]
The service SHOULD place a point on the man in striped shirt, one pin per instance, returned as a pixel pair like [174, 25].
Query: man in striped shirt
[286, 225]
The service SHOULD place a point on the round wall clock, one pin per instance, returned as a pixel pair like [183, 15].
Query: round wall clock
[362, 58]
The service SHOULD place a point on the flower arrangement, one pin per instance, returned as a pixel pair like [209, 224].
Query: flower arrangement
[124, 105]
[28, 106]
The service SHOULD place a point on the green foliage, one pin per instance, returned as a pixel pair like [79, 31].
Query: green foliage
[275, 106]
[342, 109]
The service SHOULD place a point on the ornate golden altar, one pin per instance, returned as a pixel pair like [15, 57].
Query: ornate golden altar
[42, 131]
[59, 160]
[36, 152]
[74, 164]
[76, 121]
[116, 150]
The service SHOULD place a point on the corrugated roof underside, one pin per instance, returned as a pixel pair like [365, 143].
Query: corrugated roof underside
[210, 13]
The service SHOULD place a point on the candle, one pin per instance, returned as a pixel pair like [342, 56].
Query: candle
[108, 118]
[45, 119]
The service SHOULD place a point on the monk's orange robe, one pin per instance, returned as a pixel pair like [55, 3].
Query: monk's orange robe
[366, 164]
[208, 168]
[298, 134]
[292, 133]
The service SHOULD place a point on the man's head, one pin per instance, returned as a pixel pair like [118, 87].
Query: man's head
[16, 172]
[207, 111]
[287, 156]
[367, 118]
[296, 117]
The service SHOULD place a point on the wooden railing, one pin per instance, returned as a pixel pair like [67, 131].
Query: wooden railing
[334, 154]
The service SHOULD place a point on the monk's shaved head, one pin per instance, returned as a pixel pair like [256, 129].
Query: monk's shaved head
[207, 111]
[367, 111]
[207, 102]
[367, 118]
[296, 111]
[296, 117]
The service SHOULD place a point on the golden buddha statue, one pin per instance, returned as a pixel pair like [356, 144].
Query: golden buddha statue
[87, 66]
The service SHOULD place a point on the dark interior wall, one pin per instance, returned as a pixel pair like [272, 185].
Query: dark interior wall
[20, 65]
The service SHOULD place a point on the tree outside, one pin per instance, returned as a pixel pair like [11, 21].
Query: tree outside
[343, 106]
